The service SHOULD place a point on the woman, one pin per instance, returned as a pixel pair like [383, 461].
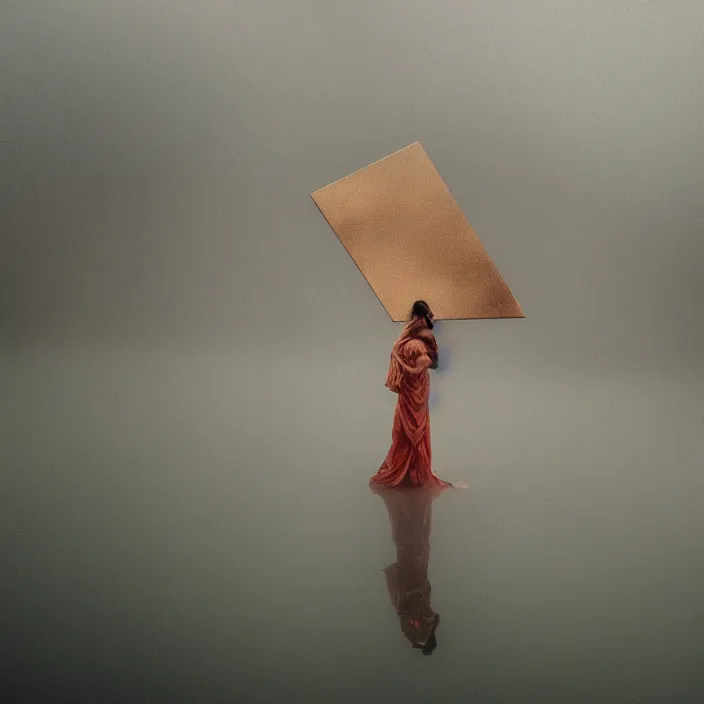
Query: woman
[408, 462]
[410, 513]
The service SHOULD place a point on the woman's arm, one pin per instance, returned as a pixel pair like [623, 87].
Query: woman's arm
[431, 347]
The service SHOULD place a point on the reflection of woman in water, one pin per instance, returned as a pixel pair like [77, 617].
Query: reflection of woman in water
[408, 462]
[407, 578]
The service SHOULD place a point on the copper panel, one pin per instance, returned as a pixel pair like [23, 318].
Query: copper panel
[406, 233]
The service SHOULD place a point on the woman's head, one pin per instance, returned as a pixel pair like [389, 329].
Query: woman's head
[429, 646]
[426, 642]
[422, 310]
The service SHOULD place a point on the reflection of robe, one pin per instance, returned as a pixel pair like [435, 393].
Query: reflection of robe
[407, 578]
[409, 460]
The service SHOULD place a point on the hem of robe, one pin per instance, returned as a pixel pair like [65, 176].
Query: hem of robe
[404, 482]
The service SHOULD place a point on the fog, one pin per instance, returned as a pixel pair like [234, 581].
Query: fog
[193, 368]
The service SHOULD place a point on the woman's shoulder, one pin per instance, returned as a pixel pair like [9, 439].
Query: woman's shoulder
[426, 334]
[414, 347]
[427, 338]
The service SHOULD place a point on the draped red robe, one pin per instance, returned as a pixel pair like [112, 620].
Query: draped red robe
[410, 513]
[409, 460]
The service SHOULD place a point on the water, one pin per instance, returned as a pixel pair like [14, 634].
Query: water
[196, 525]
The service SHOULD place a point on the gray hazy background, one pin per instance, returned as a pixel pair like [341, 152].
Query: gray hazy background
[193, 368]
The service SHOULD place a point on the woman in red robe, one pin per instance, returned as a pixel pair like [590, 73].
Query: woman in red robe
[410, 513]
[408, 462]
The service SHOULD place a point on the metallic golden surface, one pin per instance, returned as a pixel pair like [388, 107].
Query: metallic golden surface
[406, 233]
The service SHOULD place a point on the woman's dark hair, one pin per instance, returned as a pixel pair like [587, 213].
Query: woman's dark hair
[422, 310]
[432, 642]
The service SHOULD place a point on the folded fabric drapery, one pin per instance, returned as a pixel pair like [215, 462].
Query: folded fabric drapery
[407, 582]
[409, 460]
